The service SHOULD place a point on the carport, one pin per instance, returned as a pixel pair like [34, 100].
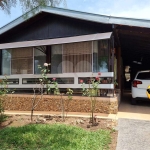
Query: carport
[133, 53]
[133, 47]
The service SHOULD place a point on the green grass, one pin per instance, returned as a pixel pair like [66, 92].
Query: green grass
[3, 118]
[53, 137]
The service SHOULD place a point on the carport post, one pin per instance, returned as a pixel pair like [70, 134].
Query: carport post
[113, 61]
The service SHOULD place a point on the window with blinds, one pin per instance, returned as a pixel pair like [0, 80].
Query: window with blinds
[77, 57]
[22, 61]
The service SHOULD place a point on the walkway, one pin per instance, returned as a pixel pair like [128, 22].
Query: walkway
[70, 114]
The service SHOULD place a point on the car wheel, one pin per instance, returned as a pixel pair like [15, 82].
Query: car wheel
[133, 101]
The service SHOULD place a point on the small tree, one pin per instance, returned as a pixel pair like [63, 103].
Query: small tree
[69, 94]
[92, 93]
[57, 92]
[45, 84]
[3, 94]
[39, 92]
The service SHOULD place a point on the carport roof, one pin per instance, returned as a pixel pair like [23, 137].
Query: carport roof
[107, 19]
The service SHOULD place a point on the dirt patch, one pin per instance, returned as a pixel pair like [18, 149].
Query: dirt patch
[107, 124]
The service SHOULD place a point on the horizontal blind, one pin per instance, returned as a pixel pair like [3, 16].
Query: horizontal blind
[77, 57]
[22, 61]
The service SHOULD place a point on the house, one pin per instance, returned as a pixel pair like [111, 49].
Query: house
[78, 45]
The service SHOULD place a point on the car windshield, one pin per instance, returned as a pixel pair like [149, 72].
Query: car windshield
[143, 75]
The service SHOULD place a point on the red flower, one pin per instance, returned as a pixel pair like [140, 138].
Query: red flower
[97, 78]
[81, 81]
[99, 73]
[54, 79]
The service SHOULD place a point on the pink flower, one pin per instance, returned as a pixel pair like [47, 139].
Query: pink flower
[99, 73]
[54, 79]
[97, 78]
[81, 81]
[45, 64]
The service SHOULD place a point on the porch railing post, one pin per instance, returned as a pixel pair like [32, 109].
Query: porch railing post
[113, 61]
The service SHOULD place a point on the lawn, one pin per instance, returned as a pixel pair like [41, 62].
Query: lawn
[53, 137]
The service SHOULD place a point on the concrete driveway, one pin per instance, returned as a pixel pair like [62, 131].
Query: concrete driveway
[140, 111]
[133, 125]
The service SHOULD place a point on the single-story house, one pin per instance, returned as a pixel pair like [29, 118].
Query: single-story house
[78, 45]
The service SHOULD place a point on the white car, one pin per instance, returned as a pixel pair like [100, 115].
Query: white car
[140, 86]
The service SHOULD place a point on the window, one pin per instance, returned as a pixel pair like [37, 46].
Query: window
[22, 61]
[6, 62]
[143, 76]
[100, 56]
[77, 57]
[64, 58]
[56, 59]
[17, 61]
[39, 58]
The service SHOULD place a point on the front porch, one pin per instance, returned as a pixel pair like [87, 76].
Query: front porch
[72, 59]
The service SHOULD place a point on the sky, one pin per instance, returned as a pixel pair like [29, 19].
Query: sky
[121, 8]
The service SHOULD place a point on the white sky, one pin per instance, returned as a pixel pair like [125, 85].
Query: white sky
[124, 8]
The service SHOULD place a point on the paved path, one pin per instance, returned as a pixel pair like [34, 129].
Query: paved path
[133, 134]
[69, 114]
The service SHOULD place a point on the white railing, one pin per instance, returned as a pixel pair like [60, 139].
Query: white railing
[75, 76]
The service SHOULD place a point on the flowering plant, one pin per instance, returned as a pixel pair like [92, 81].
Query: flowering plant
[91, 92]
[55, 86]
[93, 86]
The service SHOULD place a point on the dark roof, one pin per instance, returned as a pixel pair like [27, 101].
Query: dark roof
[106, 19]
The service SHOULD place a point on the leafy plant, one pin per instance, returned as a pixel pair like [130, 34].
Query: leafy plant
[39, 92]
[69, 94]
[3, 94]
[63, 108]
[55, 87]
[45, 84]
[92, 93]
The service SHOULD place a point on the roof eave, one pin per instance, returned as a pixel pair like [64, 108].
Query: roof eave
[129, 21]
[77, 15]
[57, 11]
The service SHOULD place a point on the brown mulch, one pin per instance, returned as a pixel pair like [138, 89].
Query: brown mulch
[107, 124]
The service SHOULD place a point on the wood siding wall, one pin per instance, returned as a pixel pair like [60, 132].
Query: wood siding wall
[47, 26]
